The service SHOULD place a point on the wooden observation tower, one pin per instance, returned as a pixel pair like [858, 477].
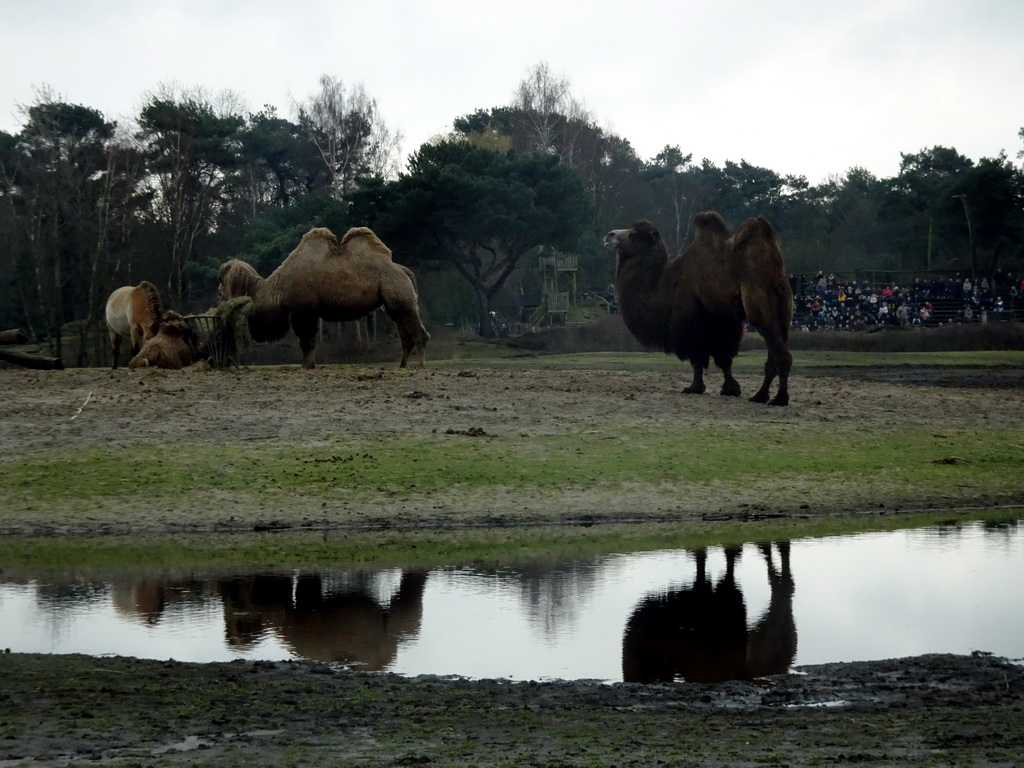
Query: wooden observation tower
[558, 283]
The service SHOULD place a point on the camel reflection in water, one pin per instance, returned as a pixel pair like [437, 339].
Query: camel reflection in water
[147, 599]
[322, 622]
[700, 633]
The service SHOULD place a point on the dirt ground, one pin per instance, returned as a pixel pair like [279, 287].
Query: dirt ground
[935, 710]
[43, 411]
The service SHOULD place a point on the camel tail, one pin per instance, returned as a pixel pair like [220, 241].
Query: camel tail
[412, 277]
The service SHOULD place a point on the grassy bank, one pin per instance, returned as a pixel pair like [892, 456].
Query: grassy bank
[594, 439]
[906, 464]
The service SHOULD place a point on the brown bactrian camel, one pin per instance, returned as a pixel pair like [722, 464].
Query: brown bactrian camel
[700, 633]
[347, 625]
[336, 281]
[174, 345]
[134, 311]
[694, 306]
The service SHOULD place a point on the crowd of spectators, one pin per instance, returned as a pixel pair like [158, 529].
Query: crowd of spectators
[825, 302]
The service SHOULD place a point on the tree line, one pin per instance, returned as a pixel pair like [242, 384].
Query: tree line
[87, 204]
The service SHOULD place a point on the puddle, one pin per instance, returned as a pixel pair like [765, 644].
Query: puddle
[672, 614]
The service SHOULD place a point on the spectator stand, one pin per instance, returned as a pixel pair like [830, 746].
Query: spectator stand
[861, 299]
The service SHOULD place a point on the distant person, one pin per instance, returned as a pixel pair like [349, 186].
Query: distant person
[903, 315]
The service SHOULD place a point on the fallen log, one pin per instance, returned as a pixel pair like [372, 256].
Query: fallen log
[32, 361]
[13, 336]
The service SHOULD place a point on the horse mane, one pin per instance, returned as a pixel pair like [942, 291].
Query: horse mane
[153, 301]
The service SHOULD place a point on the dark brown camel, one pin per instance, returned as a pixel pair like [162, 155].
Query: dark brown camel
[694, 306]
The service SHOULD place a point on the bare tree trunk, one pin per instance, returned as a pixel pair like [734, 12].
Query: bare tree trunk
[13, 336]
[31, 361]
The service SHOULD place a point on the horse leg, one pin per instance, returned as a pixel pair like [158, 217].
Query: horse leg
[305, 327]
[136, 339]
[115, 347]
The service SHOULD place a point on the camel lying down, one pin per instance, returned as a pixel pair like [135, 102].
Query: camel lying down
[174, 345]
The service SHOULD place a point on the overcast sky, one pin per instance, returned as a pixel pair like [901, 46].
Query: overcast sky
[808, 88]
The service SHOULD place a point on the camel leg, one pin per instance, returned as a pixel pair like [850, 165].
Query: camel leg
[305, 327]
[779, 363]
[761, 396]
[413, 335]
[730, 387]
[732, 554]
[407, 345]
[697, 385]
[701, 559]
[766, 552]
[774, 329]
[783, 547]
[421, 347]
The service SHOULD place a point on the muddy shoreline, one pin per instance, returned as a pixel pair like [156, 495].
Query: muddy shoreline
[929, 710]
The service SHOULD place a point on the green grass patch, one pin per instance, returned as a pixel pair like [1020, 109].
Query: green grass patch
[403, 466]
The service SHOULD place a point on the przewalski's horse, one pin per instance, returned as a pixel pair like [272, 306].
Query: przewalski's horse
[134, 311]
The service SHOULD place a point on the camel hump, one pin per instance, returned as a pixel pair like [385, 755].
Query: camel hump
[759, 228]
[321, 233]
[710, 223]
[367, 241]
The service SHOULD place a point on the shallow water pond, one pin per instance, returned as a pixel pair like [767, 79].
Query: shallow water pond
[658, 615]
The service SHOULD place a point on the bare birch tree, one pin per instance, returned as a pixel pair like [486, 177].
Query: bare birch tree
[352, 138]
[552, 119]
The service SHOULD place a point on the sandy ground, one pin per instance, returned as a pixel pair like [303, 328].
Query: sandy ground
[937, 710]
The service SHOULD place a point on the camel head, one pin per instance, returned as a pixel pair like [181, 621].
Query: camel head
[638, 238]
[237, 278]
[174, 324]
